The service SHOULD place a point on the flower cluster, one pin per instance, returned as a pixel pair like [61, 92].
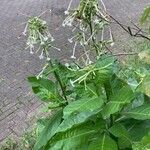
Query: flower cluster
[38, 35]
[89, 26]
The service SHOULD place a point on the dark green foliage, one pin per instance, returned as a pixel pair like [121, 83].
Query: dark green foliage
[97, 113]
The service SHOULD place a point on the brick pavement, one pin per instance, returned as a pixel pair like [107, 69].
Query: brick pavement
[18, 106]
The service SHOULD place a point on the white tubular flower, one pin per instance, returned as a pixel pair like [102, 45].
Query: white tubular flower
[72, 83]
[67, 64]
[87, 56]
[48, 58]
[74, 50]
[40, 74]
[81, 27]
[73, 57]
[112, 44]
[45, 38]
[96, 21]
[69, 20]
[25, 29]
[50, 36]
[52, 39]
[56, 48]
[42, 42]
[41, 56]
[43, 22]
[31, 49]
[111, 37]
[74, 29]
[90, 62]
[67, 11]
[71, 39]
[104, 16]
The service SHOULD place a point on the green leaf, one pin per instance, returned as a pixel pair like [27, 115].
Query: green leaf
[146, 140]
[145, 15]
[137, 128]
[90, 91]
[48, 131]
[124, 139]
[44, 89]
[124, 96]
[139, 113]
[144, 144]
[104, 142]
[104, 66]
[76, 119]
[75, 138]
[78, 106]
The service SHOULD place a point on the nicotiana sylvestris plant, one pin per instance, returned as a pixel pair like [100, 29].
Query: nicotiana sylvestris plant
[98, 105]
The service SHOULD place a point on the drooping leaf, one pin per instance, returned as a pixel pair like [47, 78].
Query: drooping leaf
[124, 96]
[124, 139]
[49, 130]
[104, 142]
[44, 89]
[78, 106]
[74, 138]
[139, 113]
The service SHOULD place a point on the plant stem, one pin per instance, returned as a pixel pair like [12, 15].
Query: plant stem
[109, 93]
[59, 81]
[91, 30]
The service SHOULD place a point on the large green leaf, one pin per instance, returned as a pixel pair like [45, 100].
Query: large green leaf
[74, 138]
[124, 96]
[49, 130]
[76, 119]
[44, 89]
[124, 139]
[139, 113]
[89, 105]
[104, 142]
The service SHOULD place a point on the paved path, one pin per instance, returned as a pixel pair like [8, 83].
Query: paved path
[17, 104]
